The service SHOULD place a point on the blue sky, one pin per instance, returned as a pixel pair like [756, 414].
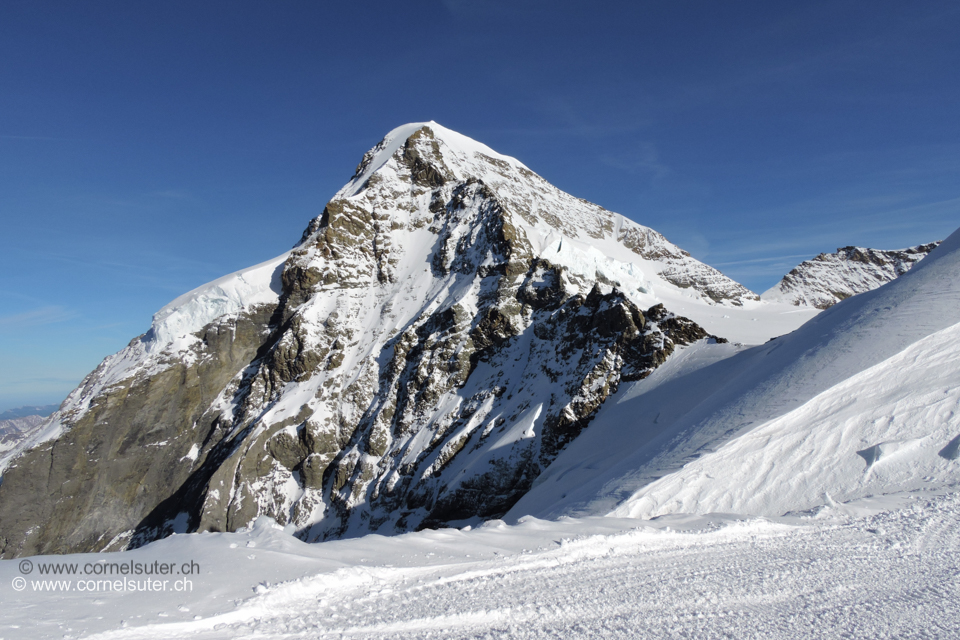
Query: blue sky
[146, 148]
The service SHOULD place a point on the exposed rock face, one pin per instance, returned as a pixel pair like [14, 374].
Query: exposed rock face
[832, 277]
[438, 335]
[122, 455]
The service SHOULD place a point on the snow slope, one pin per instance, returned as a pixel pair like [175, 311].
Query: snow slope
[862, 399]
[233, 293]
[872, 569]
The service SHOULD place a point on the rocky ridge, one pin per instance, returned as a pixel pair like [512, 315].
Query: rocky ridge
[831, 277]
[443, 329]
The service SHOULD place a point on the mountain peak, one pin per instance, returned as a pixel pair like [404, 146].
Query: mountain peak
[831, 277]
[429, 162]
[447, 146]
[445, 327]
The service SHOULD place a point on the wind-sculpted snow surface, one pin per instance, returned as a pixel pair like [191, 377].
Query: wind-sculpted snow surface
[445, 328]
[875, 569]
[862, 399]
[832, 277]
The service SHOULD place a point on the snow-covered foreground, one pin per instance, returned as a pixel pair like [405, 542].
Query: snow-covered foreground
[877, 568]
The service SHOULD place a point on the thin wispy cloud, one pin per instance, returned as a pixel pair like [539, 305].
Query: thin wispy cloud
[48, 379]
[644, 159]
[34, 317]
[762, 260]
[560, 117]
[148, 263]
[172, 194]
[40, 138]
[852, 219]
[489, 8]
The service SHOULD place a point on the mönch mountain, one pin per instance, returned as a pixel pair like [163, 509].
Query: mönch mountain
[438, 335]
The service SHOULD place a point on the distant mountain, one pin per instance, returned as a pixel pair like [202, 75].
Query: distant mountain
[831, 277]
[859, 401]
[15, 431]
[18, 425]
[445, 328]
[30, 410]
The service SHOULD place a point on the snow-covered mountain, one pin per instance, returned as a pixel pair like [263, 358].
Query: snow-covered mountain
[831, 277]
[16, 430]
[447, 326]
[426, 355]
[18, 425]
[862, 400]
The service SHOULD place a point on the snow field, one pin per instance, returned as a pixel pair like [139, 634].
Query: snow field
[831, 573]
[882, 430]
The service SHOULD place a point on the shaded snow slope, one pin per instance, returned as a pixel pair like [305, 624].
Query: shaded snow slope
[831, 277]
[892, 427]
[861, 399]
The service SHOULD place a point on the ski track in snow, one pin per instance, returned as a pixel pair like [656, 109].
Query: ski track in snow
[895, 573]
[755, 580]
